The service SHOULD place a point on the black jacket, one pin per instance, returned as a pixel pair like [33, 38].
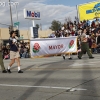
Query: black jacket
[13, 47]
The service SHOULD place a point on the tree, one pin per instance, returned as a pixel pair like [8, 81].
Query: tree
[55, 25]
[37, 25]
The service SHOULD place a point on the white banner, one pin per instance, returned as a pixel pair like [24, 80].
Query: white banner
[41, 47]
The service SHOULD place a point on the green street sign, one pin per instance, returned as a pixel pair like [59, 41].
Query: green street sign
[16, 24]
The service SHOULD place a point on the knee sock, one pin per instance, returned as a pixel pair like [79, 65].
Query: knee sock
[8, 67]
[18, 68]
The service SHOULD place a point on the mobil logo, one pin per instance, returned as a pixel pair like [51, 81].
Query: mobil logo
[33, 14]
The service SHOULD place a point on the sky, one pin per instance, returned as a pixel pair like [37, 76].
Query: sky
[49, 9]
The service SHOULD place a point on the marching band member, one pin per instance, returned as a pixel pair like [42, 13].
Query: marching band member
[14, 52]
[84, 46]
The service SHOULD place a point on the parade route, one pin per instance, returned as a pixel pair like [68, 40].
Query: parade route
[52, 78]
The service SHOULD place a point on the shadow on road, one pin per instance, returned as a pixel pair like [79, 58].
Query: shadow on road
[89, 84]
[27, 68]
[30, 91]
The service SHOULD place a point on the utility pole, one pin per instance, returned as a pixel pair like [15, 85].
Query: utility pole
[17, 16]
[11, 15]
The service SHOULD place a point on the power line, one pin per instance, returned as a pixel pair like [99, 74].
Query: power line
[5, 24]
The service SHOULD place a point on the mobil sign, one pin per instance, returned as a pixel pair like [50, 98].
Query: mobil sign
[31, 14]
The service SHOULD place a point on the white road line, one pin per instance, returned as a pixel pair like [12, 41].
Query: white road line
[77, 64]
[46, 87]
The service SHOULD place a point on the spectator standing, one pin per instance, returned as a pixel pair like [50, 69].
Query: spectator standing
[96, 22]
[52, 35]
[4, 51]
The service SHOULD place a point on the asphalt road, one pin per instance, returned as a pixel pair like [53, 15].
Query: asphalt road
[52, 78]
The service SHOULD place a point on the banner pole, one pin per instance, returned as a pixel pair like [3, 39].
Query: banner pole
[77, 13]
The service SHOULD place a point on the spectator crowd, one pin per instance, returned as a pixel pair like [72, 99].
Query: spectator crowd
[76, 29]
[24, 50]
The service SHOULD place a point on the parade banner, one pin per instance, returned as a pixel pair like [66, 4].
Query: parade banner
[89, 11]
[42, 47]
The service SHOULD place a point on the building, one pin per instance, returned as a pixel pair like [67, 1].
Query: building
[24, 34]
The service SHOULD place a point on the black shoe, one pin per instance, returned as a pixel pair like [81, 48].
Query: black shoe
[8, 70]
[4, 71]
[91, 57]
[20, 71]
[70, 58]
[79, 57]
[64, 57]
